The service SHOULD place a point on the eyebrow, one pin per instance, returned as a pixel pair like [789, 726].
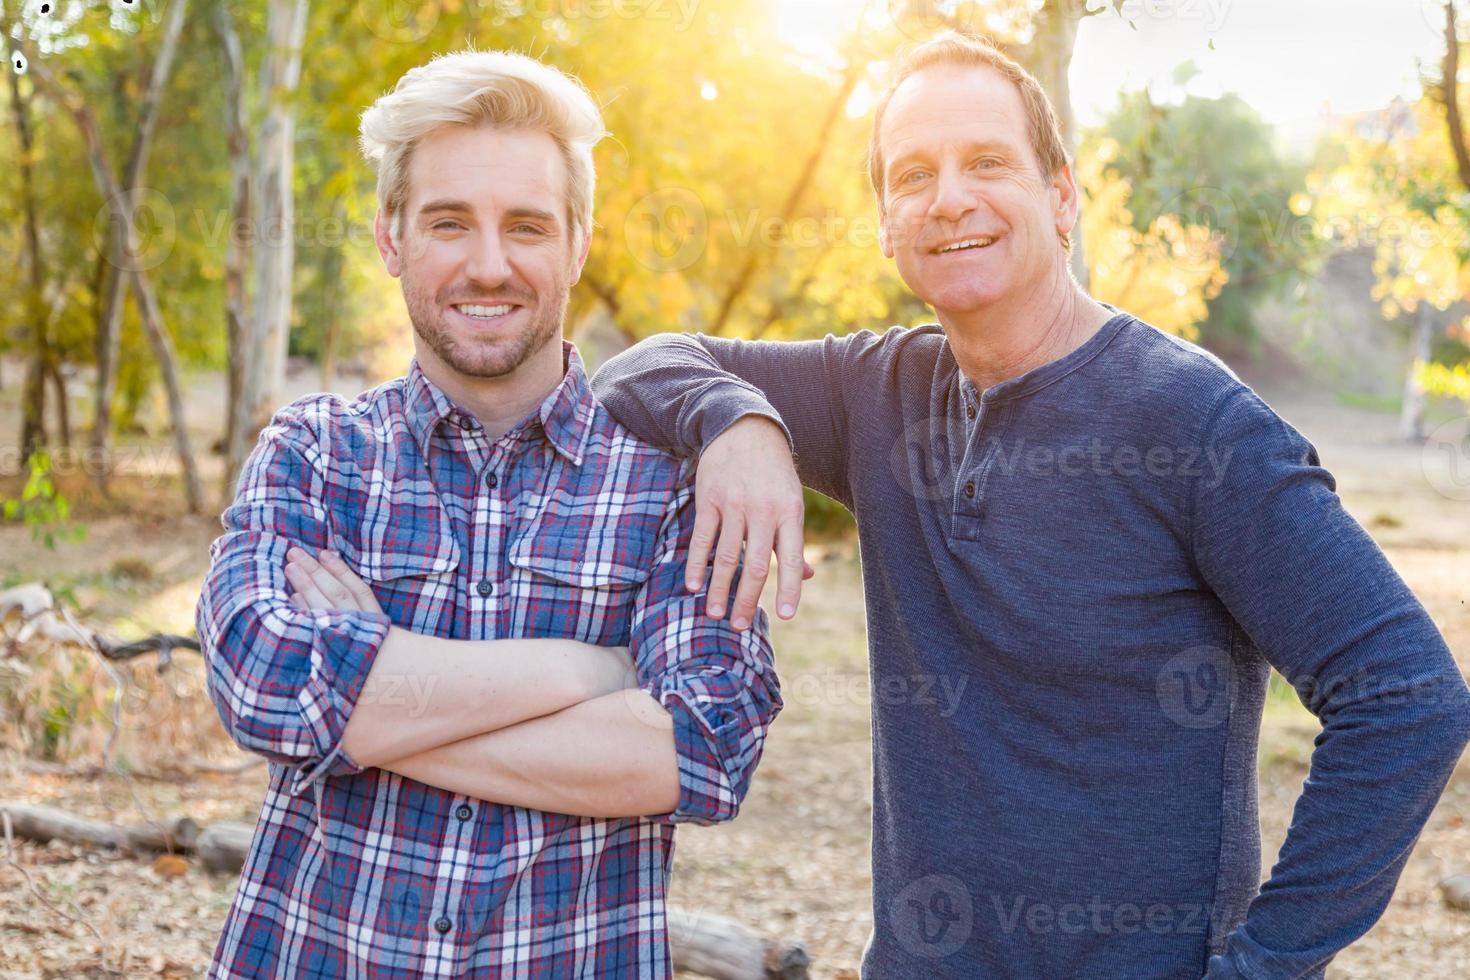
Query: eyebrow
[463, 207]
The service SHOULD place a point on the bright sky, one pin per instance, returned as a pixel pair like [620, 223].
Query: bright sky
[1290, 59]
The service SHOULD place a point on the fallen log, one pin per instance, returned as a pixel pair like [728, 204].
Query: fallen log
[718, 947]
[710, 945]
[43, 824]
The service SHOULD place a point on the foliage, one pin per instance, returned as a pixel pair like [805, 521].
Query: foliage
[1214, 162]
[1164, 274]
[41, 507]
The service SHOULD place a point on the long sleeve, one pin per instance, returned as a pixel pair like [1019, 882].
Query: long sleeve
[283, 680]
[680, 391]
[1323, 605]
[719, 684]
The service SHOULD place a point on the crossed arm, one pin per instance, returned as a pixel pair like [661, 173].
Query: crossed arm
[565, 729]
[314, 679]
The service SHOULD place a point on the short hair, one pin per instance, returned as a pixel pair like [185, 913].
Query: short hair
[499, 89]
[952, 48]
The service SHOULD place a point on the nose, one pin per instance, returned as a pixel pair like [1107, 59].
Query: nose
[953, 196]
[486, 261]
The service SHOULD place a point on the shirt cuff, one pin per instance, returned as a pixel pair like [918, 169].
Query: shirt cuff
[736, 400]
[702, 732]
[347, 642]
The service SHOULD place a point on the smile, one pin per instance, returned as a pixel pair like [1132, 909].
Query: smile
[965, 245]
[477, 312]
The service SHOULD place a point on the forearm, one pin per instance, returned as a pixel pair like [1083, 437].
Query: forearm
[427, 691]
[612, 756]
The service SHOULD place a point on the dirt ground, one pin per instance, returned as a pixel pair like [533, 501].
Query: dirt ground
[795, 863]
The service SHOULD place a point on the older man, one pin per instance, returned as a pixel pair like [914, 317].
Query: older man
[422, 606]
[1107, 539]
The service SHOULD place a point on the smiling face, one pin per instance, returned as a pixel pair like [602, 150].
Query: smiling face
[486, 255]
[968, 215]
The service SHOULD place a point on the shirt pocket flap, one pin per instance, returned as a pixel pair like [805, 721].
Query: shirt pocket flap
[623, 559]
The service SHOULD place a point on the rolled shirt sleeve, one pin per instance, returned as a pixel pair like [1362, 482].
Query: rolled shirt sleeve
[719, 684]
[283, 680]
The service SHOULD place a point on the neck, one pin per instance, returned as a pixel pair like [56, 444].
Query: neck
[498, 403]
[1019, 334]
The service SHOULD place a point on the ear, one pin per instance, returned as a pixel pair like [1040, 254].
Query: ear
[386, 247]
[1065, 204]
[581, 259]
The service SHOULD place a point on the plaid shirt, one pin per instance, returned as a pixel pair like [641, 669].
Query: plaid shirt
[565, 527]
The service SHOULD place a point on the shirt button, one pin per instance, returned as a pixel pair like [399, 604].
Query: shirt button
[467, 423]
[970, 411]
[443, 924]
[463, 811]
[491, 480]
[970, 489]
[485, 587]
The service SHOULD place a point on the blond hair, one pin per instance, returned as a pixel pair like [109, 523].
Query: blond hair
[499, 89]
[952, 48]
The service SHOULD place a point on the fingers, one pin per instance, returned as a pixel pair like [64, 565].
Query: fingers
[727, 559]
[318, 585]
[759, 541]
[791, 568]
[360, 591]
[702, 541]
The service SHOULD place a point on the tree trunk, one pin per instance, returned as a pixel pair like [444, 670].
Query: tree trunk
[163, 350]
[109, 324]
[122, 206]
[63, 408]
[237, 256]
[33, 405]
[274, 245]
[1049, 58]
[1411, 415]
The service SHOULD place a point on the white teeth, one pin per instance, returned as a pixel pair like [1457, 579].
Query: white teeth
[967, 243]
[483, 311]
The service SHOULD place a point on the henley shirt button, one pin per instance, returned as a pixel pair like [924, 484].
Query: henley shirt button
[485, 587]
[463, 811]
[970, 411]
[443, 924]
[970, 489]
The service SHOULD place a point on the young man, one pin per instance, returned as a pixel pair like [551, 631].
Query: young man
[1109, 539]
[423, 605]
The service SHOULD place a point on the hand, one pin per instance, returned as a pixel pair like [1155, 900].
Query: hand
[327, 583]
[747, 492]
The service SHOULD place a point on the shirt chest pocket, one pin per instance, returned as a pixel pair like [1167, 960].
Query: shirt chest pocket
[582, 583]
[411, 562]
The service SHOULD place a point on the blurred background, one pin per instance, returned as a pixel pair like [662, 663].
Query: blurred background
[186, 238]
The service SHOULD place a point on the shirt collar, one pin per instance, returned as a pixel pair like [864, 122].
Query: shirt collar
[565, 415]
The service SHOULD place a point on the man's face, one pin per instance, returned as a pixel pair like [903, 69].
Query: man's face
[485, 253]
[958, 170]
